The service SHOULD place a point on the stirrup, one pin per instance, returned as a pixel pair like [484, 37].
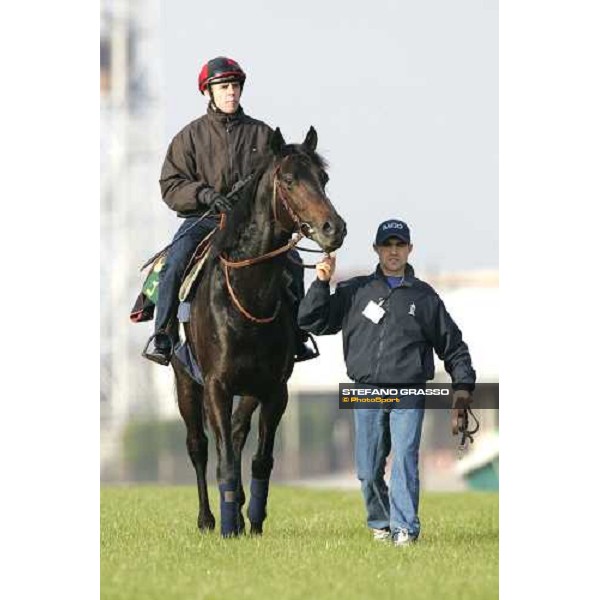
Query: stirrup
[314, 344]
[307, 356]
[156, 356]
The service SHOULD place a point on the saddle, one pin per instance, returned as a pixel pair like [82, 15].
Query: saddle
[195, 266]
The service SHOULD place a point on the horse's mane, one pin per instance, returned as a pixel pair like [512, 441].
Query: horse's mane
[237, 219]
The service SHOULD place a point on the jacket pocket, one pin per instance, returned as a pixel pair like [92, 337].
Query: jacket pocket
[408, 364]
[411, 355]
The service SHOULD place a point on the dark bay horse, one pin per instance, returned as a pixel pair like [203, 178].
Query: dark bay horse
[241, 329]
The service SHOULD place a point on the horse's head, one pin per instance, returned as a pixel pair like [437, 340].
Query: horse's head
[300, 201]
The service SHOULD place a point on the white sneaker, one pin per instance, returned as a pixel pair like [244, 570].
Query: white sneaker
[381, 535]
[403, 538]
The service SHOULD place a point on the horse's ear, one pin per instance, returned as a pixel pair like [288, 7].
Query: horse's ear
[310, 142]
[277, 142]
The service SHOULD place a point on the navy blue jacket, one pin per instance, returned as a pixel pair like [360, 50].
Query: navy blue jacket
[398, 349]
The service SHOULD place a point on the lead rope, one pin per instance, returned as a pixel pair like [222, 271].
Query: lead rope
[462, 427]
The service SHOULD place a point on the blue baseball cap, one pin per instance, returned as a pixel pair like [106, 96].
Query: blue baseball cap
[392, 228]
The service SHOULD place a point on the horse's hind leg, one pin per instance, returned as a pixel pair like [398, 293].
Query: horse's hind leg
[240, 428]
[189, 399]
[271, 411]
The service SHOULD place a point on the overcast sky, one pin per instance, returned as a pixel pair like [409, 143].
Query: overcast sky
[403, 94]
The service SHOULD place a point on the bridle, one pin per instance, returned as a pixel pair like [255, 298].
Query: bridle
[305, 229]
[297, 232]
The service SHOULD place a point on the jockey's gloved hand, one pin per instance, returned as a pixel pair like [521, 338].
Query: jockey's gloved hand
[222, 204]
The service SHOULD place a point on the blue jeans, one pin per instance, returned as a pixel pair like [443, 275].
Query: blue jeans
[191, 232]
[379, 431]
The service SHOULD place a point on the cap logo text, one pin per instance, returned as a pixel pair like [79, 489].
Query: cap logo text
[392, 226]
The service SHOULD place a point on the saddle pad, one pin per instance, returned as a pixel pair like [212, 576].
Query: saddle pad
[185, 355]
[143, 310]
[150, 287]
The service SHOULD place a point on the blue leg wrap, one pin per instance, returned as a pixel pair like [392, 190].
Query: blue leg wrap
[229, 508]
[259, 491]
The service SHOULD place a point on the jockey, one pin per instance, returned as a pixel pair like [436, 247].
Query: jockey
[203, 163]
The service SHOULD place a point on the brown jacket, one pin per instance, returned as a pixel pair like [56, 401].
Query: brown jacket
[208, 156]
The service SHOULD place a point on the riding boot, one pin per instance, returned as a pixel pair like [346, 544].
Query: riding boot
[162, 344]
[161, 341]
[295, 276]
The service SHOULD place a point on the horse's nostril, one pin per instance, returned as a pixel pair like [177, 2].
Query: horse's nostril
[328, 228]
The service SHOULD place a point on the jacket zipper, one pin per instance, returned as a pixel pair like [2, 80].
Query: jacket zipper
[229, 153]
[379, 352]
[381, 337]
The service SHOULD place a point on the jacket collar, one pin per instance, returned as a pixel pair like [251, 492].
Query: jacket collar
[218, 116]
[409, 275]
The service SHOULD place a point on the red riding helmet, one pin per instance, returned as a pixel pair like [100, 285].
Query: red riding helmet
[220, 69]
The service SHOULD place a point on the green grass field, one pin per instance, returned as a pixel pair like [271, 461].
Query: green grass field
[315, 545]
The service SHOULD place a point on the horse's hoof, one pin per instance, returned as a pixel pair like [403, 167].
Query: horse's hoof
[206, 524]
[231, 534]
[256, 529]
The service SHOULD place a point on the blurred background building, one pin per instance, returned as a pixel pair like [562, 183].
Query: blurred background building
[142, 436]
[133, 223]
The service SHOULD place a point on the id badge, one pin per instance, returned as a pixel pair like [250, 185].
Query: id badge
[373, 312]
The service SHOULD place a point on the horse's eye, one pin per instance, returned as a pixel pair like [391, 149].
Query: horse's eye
[288, 179]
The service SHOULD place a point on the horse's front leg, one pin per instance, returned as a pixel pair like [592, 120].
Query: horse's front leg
[218, 402]
[271, 411]
[240, 429]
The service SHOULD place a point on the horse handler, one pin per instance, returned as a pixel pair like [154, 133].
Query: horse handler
[391, 323]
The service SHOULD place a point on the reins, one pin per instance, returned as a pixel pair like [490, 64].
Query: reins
[258, 259]
[239, 306]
